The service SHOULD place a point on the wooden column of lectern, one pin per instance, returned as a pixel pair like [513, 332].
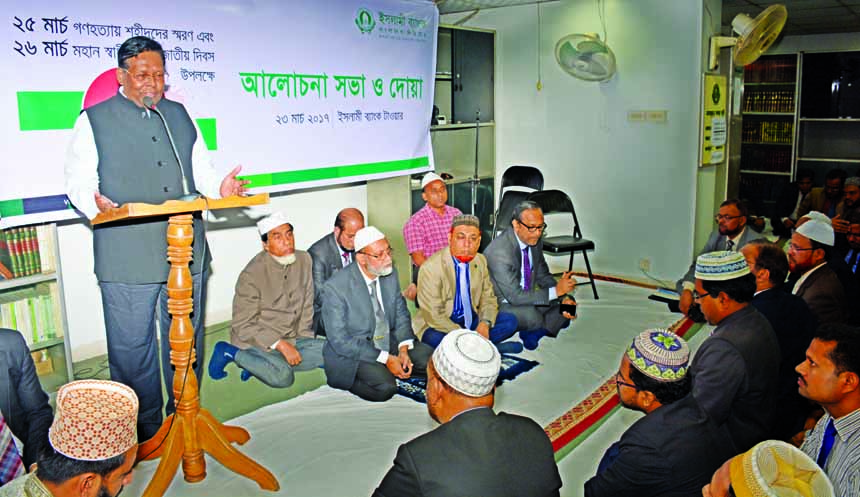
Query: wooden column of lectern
[191, 430]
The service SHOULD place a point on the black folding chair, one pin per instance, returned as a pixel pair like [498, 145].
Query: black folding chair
[556, 201]
[524, 176]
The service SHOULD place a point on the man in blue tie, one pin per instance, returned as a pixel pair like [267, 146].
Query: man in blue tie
[830, 376]
[521, 277]
[455, 292]
[852, 258]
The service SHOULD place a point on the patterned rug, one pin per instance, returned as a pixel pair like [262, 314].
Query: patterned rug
[512, 366]
[571, 428]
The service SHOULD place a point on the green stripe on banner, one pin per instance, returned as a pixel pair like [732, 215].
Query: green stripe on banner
[209, 131]
[285, 177]
[9, 208]
[567, 449]
[44, 110]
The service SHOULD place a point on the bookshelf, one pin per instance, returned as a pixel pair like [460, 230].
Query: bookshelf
[31, 299]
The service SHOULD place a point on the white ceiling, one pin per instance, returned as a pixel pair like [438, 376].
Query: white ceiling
[805, 17]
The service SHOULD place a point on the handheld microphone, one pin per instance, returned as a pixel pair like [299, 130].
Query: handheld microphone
[186, 192]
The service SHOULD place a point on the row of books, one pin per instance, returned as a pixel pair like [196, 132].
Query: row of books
[33, 311]
[27, 250]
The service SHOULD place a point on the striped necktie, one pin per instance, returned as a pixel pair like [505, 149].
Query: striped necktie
[11, 465]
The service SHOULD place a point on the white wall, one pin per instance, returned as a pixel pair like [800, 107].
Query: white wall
[633, 183]
[312, 214]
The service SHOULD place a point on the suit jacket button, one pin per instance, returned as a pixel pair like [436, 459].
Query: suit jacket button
[154, 138]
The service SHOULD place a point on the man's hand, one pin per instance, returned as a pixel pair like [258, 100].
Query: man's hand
[290, 353]
[483, 329]
[567, 315]
[232, 186]
[565, 284]
[686, 301]
[405, 361]
[393, 365]
[840, 225]
[103, 203]
[411, 292]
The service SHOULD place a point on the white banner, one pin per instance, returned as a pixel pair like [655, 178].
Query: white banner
[301, 93]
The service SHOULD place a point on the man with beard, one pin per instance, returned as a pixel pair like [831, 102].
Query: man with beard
[852, 258]
[271, 335]
[475, 451]
[673, 450]
[93, 444]
[825, 199]
[817, 284]
[731, 234]
[332, 253]
[785, 213]
[736, 369]
[455, 292]
[849, 207]
[370, 340]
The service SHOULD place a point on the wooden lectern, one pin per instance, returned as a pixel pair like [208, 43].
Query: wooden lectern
[190, 431]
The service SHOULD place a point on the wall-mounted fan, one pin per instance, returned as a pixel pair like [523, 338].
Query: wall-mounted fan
[585, 56]
[755, 36]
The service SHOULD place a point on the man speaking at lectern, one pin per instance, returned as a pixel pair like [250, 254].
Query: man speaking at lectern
[122, 150]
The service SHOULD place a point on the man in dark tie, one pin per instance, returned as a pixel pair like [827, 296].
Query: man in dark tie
[852, 258]
[830, 376]
[369, 330]
[521, 277]
[331, 253]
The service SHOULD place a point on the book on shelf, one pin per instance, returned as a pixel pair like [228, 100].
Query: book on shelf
[27, 250]
[33, 311]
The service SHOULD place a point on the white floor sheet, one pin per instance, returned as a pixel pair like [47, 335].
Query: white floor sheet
[331, 443]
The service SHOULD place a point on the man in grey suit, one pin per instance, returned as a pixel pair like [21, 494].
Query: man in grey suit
[332, 253]
[731, 234]
[475, 451]
[521, 277]
[369, 330]
[22, 401]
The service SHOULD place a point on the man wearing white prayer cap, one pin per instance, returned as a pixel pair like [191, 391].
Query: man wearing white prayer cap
[271, 335]
[370, 340]
[475, 451]
[814, 280]
[736, 369]
[93, 444]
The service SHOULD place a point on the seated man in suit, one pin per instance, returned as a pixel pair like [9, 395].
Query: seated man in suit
[676, 447]
[332, 253]
[825, 199]
[830, 376]
[731, 234]
[93, 444]
[23, 403]
[847, 208]
[271, 335]
[475, 451]
[793, 323]
[521, 277]
[785, 213]
[454, 291]
[370, 340]
[816, 282]
[736, 369]
[770, 468]
[852, 258]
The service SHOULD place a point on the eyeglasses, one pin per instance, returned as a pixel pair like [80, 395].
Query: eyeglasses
[532, 229]
[699, 296]
[724, 217]
[619, 381]
[387, 253]
[792, 246]
[142, 77]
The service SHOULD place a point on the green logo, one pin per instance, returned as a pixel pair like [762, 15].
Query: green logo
[715, 94]
[364, 21]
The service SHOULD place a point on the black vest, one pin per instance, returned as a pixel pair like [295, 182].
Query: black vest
[136, 164]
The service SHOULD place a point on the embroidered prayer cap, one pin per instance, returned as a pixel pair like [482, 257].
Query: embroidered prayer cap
[367, 235]
[271, 222]
[468, 362]
[721, 266]
[465, 220]
[660, 354]
[818, 230]
[777, 469]
[95, 420]
[429, 178]
[853, 181]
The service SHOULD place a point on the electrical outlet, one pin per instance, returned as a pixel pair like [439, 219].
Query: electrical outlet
[645, 264]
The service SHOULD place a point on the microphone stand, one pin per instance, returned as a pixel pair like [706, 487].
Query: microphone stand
[187, 196]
